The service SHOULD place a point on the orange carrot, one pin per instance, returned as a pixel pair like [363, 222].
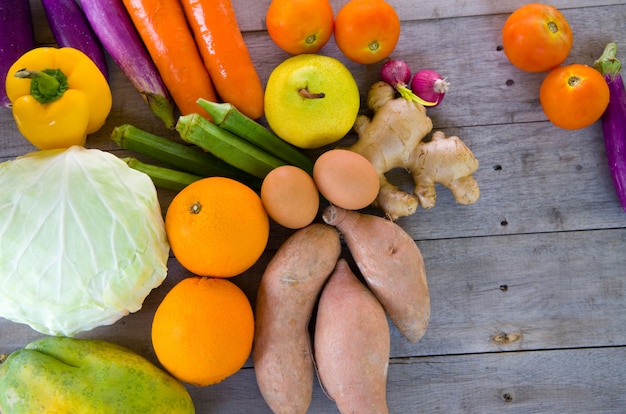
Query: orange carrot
[225, 54]
[163, 28]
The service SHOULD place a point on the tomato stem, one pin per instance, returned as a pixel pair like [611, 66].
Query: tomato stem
[310, 39]
[553, 27]
[374, 46]
[573, 80]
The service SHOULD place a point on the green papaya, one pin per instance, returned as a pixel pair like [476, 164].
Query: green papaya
[69, 375]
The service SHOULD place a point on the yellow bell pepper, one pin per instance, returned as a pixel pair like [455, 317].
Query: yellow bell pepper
[58, 96]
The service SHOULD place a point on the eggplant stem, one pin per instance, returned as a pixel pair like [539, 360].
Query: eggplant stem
[608, 64]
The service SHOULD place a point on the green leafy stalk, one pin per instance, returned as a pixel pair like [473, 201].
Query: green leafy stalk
[161, 176]
[230, 148]
[228, 117]
[181, 157]
[408, 94]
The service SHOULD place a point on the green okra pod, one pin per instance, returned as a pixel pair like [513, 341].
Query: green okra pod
[228, 117]
[181, 157]
[230, 148]
[161, 176]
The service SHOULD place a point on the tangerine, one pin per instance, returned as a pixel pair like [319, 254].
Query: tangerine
[202, 331]
[300, 26]
[217, 227]
[367, 31]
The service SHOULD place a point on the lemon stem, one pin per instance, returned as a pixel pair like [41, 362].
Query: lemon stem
[305, 93]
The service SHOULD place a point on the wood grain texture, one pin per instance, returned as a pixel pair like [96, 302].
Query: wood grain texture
[528, 285]
[564, 381]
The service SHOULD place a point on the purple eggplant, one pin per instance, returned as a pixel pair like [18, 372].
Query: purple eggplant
[71, 29]
[16, 38]
[115, 30]
[614, 119]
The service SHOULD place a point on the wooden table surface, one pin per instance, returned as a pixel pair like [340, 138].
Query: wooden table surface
[528, 285]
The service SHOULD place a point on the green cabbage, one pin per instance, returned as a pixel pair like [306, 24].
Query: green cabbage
[82, 240]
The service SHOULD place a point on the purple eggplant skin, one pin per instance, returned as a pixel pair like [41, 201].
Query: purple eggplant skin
[117, 34]
[16, 38]
[614, 120]
[71, 29]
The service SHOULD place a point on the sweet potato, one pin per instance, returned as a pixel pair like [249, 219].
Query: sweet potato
[391, 264]
[352, 344]
[289, 289]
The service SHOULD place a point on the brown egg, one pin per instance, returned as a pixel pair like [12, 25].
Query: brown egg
[346, 179]
[290, 196]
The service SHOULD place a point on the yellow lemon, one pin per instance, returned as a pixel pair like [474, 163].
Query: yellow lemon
[311, 100]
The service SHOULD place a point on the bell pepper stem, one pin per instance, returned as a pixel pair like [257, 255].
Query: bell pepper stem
[46, 85]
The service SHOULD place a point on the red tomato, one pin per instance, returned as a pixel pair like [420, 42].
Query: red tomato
[574, 96]
[536, 38]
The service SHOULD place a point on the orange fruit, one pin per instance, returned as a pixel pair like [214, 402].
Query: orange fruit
[217, 227]
[574, 96]
[367, 31]
[300, 26]
[202, 331]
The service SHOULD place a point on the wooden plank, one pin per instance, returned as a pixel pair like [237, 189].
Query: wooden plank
[523, 292]
[559, 293]
[588, 380]
[251, 15]
[566, 381]
[569, 381]
[532, 179]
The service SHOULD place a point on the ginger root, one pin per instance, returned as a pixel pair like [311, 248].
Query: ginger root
[395, 137]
